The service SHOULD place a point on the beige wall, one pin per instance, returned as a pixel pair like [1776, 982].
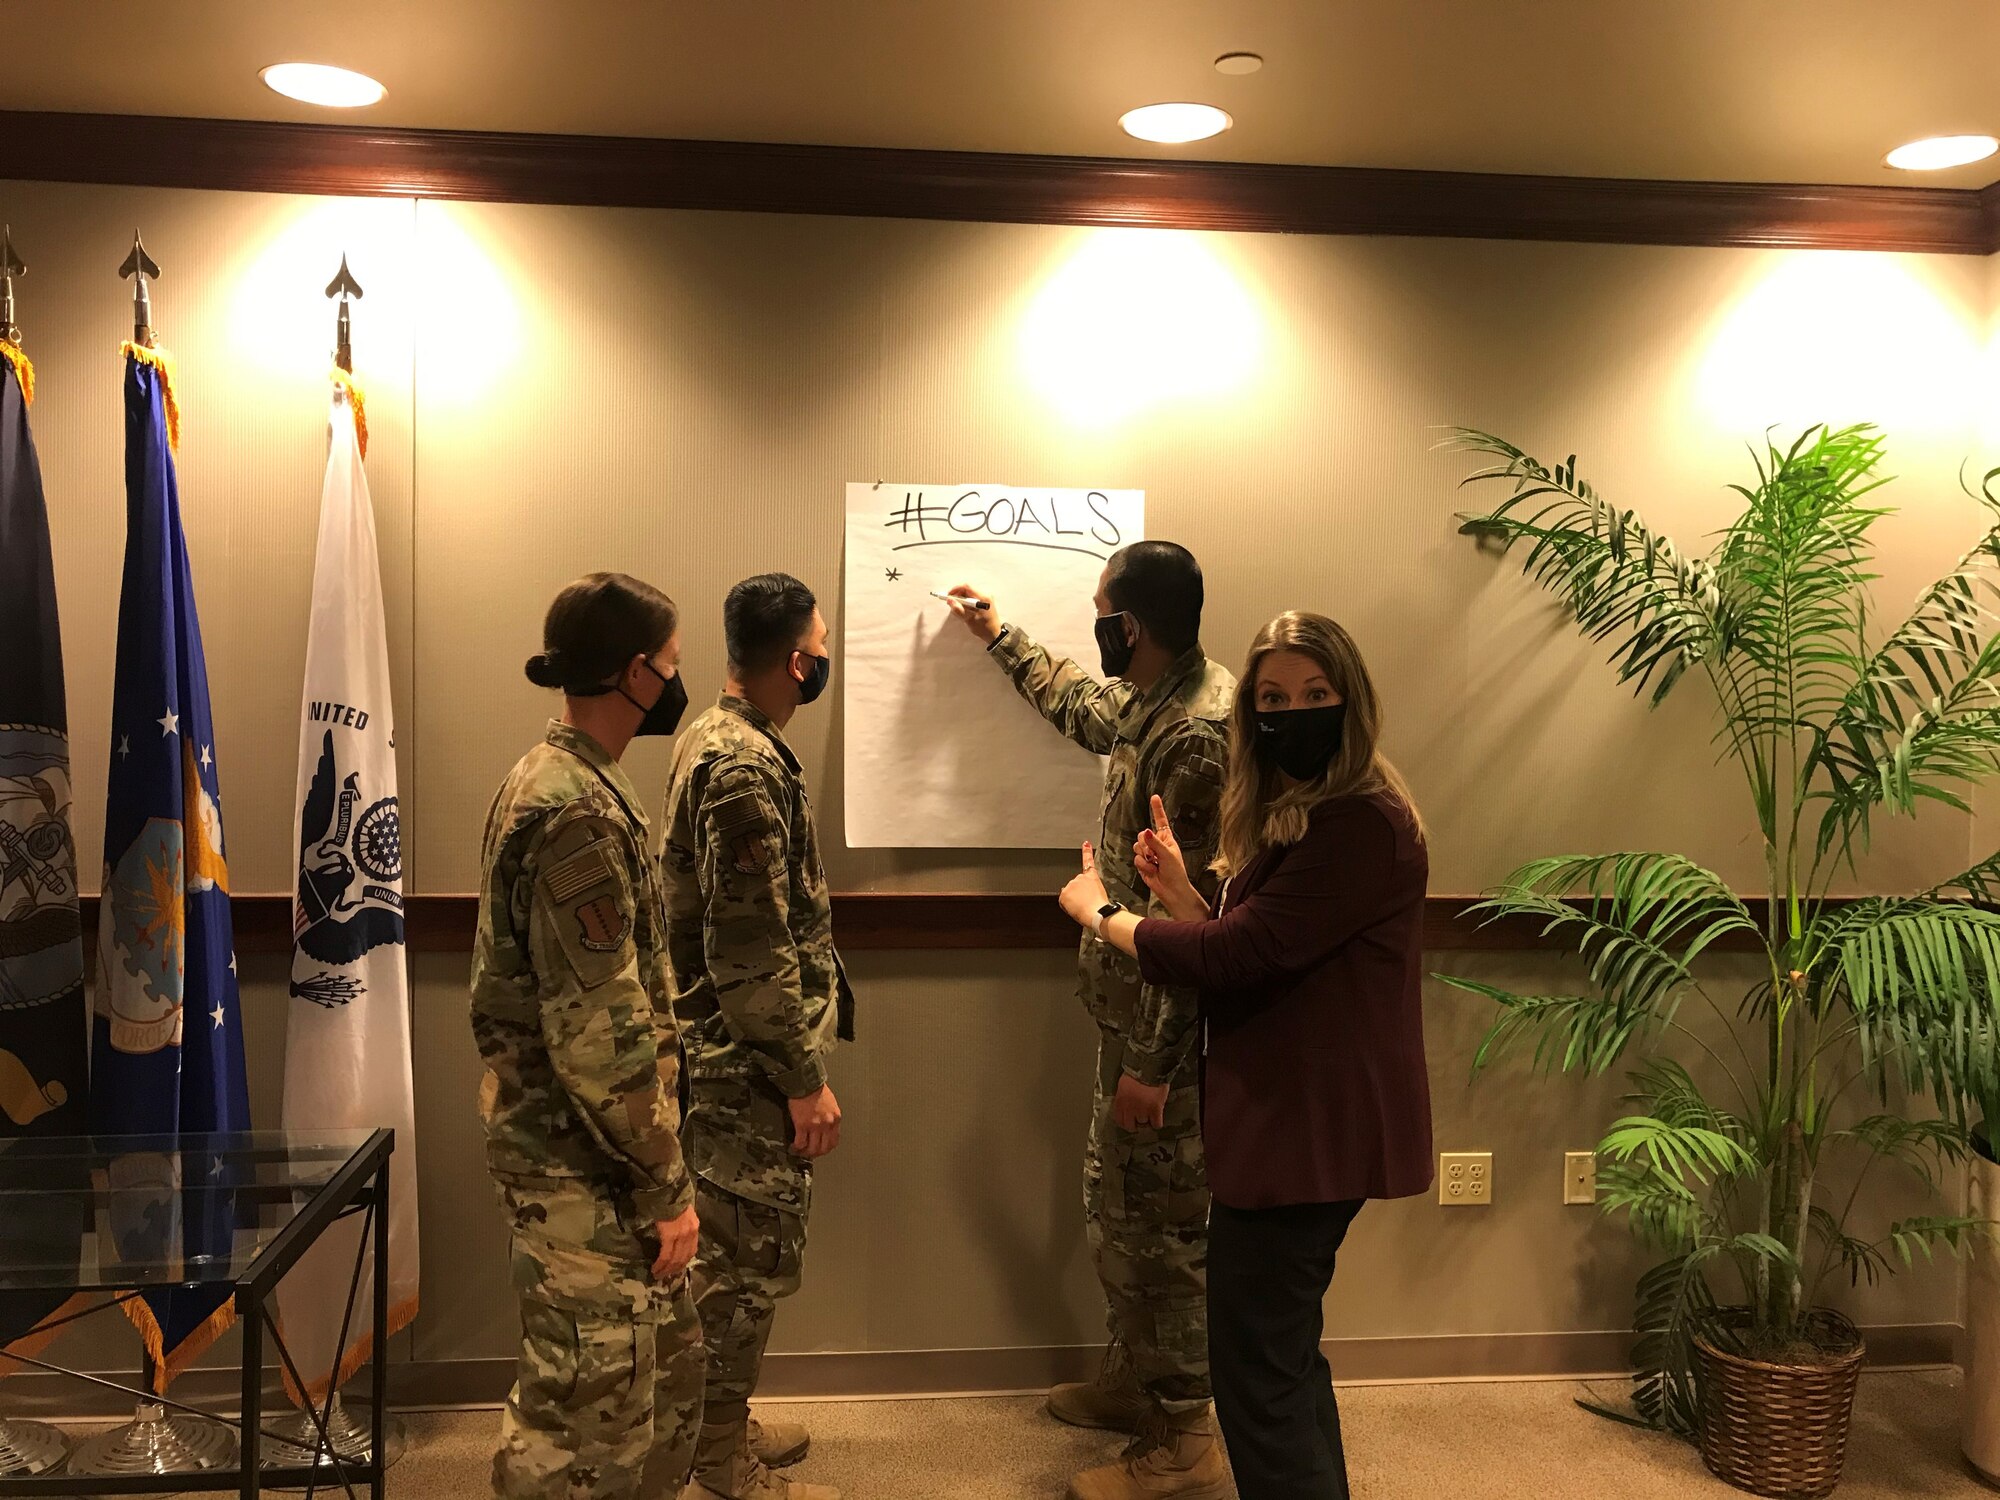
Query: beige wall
[682, 395]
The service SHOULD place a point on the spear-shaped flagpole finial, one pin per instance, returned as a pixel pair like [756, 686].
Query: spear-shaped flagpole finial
[139, 265]
[343, 286]
[10, 267]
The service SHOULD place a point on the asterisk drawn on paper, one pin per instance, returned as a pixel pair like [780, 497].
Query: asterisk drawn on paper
[894, 574]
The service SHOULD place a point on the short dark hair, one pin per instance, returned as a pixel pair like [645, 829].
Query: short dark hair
[595, 626]
[1159, 585]
[764, 619]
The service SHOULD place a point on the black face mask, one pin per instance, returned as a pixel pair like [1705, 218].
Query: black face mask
[664, 717]
[816, 677]
[1114, 652]
[1301, 742]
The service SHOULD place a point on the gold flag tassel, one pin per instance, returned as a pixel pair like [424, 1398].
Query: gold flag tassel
[24, 371]
[160, 360]
[358, 400]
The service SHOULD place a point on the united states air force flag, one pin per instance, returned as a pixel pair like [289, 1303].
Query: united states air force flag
[166, 1036]
[347, 1046]
[44, 1056]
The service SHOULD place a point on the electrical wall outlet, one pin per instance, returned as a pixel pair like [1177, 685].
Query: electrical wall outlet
[1465, 1179]
[1579, 1176]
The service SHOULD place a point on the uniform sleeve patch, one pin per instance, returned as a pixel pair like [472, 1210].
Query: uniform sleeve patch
[602, 925]
[586, 903]
[578, 873]
[751, 855]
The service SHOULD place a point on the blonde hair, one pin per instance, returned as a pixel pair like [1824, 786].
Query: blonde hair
[1258, 812]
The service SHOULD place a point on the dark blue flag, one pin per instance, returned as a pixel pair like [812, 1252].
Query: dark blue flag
[167, 1036]
[44, 1039]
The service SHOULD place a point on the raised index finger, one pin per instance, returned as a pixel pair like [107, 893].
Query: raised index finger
[1160, 824]
[1089, 856]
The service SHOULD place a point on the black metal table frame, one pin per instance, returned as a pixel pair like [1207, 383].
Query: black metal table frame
[360, 1186]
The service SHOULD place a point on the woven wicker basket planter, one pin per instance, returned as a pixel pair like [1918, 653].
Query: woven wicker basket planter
[1779, 1430]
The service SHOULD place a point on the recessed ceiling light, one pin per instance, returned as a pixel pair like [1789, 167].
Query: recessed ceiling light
[1934, 153]
[1238, 63]
[317, 83]
[1174, 124]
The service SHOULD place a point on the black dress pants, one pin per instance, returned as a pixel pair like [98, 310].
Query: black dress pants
[1268, 1269]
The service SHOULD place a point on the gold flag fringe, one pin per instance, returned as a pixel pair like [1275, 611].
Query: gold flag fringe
[400, 1317]
[23, 370]
[357, 399]
[167, 1369]
[160, 360]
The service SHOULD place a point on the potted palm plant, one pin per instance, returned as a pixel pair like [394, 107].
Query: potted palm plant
[1754, 1122]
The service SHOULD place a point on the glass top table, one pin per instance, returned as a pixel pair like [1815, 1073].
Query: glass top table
[126, 1213]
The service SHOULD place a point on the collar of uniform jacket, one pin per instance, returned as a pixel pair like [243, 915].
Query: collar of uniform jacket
[750, 713]
[584, 748]
[1132, 723]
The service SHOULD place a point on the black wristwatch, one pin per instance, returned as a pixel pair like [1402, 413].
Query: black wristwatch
[1105, 913]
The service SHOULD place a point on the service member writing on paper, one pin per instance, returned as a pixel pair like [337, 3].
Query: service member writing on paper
[1315, 1093]
[760, 992]
[572, 1016]
[1161, 721]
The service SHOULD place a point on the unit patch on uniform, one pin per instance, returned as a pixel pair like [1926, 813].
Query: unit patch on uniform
[602, 924]
[752, 854]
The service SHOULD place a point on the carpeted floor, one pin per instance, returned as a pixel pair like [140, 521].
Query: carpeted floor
[1525, 1441]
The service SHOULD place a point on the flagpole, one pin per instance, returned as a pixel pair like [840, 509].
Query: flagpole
[156, 1440]
[25, 1447]
[335, 1432]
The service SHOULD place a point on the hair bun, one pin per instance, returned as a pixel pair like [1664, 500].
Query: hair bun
[544, 671]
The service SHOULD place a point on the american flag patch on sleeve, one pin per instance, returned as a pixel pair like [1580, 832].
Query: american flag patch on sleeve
[578, 874]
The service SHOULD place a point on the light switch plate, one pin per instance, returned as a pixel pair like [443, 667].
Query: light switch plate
[1579, 1177]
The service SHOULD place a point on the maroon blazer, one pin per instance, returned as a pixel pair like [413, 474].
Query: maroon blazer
[1313, 1076]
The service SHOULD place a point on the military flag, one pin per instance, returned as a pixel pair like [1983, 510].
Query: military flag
[347, 1048]
[167, 1035]
[44, 1037]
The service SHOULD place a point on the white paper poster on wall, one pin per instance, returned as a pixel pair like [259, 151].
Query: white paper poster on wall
[941, 751]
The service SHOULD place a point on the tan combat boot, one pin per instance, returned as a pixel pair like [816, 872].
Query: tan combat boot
[1177, 1456]
[726, 1469]
[778, 1445]
[1113, 1401]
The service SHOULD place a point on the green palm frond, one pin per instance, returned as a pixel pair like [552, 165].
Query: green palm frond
[1922, 979]
[1793, 567]
[1945, 749]
[1658, 1207]
[1926, 1234]
[1920, 1145]
[1947, 637]
[1639, 920]
[1624, 583]
[1862, 1260]
[1692, 1156]
[1673, 1304]
[1672, 1095]
[1572, 1033]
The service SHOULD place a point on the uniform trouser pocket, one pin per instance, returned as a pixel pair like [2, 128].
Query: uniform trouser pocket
[579, 1420]
[751, 1257]
[1146, 1197]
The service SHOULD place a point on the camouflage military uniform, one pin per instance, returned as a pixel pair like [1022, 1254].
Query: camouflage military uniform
[1145, 1191]
[760, 997]
[570, 1010]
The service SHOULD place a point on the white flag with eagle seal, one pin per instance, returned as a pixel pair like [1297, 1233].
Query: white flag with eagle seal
[347, 1039]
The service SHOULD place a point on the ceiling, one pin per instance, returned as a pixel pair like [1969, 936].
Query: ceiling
[1743, 90]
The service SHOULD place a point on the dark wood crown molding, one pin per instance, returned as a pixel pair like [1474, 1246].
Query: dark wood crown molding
[269, 156]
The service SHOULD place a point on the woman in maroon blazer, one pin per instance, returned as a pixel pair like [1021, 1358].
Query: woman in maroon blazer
[1315, 1095]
